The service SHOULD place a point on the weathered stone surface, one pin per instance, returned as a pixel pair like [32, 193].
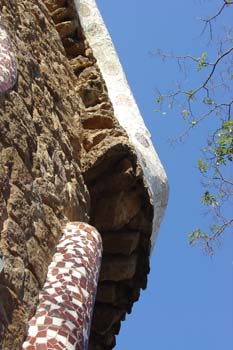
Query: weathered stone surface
[30, 292]
[66, 28]
[53, 5]
[113, 213]
[107, 292]
[118, 268]
[12, 316]
[104, 157]
[119, 196]
[55, 124]
[107, 340]
[73, 47]
[60, 14]
[97, 121]
[122, 178]
[118, 294]
[38, 260]
[120, 242]
[105, 317]
[142, 221]
[79, 64]
[41, 184]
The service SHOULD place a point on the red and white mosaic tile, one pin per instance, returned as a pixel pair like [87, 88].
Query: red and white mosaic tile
[63, 316]
[8, 66]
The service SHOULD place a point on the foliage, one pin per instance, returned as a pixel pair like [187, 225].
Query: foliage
[213, 95]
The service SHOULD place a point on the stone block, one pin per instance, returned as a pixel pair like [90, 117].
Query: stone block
[66, 28]
[116, 211]
[120, 242]
[105, 317]
[118, 268]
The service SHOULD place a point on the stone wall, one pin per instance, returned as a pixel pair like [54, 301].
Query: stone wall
[65, 157]
[121, 207]
[40, 179]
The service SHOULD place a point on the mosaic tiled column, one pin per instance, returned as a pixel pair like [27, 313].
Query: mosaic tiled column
[63, 316]
[8, 66]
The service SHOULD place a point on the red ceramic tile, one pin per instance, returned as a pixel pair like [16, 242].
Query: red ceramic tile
[41, 346]
[61, 264]
[52, 342]
[63, 333]
[48, 320]
[42, 334]
[72, 340]
[60, 304]
[31, 347]
[55, 271]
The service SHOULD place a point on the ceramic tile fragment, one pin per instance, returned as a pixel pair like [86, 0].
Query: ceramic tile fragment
[63, 316]
[8, 66]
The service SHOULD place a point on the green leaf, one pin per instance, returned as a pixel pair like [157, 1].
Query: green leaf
[216, 228]
[209, 199]
[185, 113]
[160, 99]
[190, 94]
[196, 235]
[228, 124]
[208, 101]
[202, 166]
[202, 61]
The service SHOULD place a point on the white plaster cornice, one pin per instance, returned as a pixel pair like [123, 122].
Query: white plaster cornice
[125, 107]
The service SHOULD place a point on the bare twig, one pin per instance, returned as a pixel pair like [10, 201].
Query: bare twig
[208, 21]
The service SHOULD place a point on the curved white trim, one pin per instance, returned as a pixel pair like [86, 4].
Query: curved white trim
[125, 107]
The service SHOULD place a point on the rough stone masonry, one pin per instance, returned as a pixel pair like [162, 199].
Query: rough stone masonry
[73, 147]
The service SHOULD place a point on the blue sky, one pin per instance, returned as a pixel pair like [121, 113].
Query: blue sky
[189, 300]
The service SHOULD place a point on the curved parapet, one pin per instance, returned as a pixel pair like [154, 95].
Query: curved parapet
[125, 107]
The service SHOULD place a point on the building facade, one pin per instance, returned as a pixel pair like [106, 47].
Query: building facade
[82, 190]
